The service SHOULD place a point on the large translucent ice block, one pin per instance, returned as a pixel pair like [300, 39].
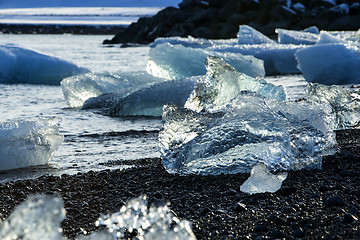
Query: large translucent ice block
[144, 101]
[19, 65]
[251, 129]
[278, 58]
[176, 61]
[39, 217]
[223, 83]
[344, 102]
[78, 89]
[25, 143]
[146, 222]
[249, 35]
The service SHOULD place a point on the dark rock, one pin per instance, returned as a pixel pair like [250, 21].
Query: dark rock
[349, 218]
[240, 207]
[298, 232]
[277, 234]
[334, 201]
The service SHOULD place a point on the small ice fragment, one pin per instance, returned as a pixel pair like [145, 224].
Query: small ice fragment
[249, 35]
[223, 83]
[156, 223]
[25, 143]
[19, 65]
[39, 217]
[261, 180]
[176, 61]
[312, 29]
[296, 37]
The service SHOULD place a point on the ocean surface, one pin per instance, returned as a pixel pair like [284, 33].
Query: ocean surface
[91, 141]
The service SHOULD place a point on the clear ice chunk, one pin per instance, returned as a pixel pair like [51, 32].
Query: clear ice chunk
[223, 83]
[278, 58]
[176, 61]
[144, 101]
[77, 89]
[156, 223]
[25, 143]
[39, 217]
[261, 180]
[251, 129]
[296, 37]
[19, 65]
[249, 35]
[344, 101]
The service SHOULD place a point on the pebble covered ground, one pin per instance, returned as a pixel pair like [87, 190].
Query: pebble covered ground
[312, 204]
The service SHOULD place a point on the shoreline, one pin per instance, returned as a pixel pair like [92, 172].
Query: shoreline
[302, 208]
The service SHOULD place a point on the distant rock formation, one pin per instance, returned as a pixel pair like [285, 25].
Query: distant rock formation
[220, 19]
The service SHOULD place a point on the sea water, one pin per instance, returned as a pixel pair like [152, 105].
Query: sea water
[91, 141]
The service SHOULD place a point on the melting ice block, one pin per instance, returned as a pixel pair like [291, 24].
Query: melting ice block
[344, 102]
[261, 180]
[144, 101]
[146, 222]
[176, 61]
[77, 89]
[333, 62]
[278, 58]
[25, 143]
[39, 217]
[223, 83]
[251, 129]
[296, 37]
[249, 35]
[19, 65]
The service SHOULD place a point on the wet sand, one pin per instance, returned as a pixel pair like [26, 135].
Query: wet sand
[312, 204]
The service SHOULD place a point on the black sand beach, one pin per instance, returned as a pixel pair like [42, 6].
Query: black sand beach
[312, 204]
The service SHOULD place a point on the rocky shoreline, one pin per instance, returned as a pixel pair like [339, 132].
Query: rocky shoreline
[312, 204]
[218, 19]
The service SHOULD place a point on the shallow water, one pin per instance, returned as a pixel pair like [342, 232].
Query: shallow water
[92, 141]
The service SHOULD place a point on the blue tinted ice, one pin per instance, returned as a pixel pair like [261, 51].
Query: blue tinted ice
[78, 89]
[19, 65]
[296, 37]
[223, 83]
[176, 61]
[25, 143]
[252, 129]
[344, 102]
[249, 35]
[39, 217]
[144, 101]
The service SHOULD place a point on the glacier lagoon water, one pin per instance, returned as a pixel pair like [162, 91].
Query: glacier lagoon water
[91, 141]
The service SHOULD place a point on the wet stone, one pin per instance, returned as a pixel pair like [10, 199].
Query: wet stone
[334, 201]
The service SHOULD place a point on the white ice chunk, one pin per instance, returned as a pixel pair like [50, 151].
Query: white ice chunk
[278, 58]
[155, 223]
[25, 143]
[344, 101]
[261, 180]
[249, 35]
[223, 83]
[77, 89]
[252, 129]
[296, 37]
[312, 29]
[39, 217]
[176, 61]
[145, 101]
[186, 42]
[334, 63]
[19, 65]
[327, 38]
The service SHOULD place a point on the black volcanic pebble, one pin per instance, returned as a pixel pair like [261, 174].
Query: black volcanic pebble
[334, 201]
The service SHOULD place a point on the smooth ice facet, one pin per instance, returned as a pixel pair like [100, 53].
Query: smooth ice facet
[25, 143]
[39, 217]
[296, 37]
[177, 61]
[223, 83]
[155, 223]
[251, 129]
[261, 180]
[344, 102]
[145, 101]
[19, 65]
[249, 35]
[78, 89]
